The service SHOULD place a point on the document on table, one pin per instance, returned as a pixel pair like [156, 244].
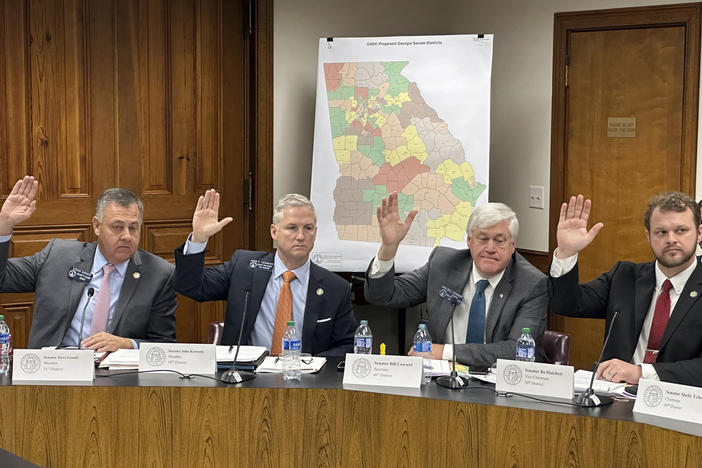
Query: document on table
[581, 382]
[273, 365]
[250, 354]
[129, 358]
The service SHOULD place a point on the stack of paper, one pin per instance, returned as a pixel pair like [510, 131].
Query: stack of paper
[121, 359]
[581, 382]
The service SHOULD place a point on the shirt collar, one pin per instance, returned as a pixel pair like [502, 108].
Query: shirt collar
[100, 261]
[678, 280]
[300, 272]
[494, 281]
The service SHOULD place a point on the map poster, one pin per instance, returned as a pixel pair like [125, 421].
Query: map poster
[404, 114]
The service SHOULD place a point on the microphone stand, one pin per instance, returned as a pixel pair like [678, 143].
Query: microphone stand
[91, 291]
[232, 375]
[589, 399]
[453, 381]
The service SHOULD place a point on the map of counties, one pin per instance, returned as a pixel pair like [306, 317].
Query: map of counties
[387, 138]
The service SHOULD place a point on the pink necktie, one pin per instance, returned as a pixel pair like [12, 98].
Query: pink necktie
[102, 303]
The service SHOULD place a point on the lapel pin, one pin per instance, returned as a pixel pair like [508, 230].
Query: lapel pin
[320, 291]
[502, 295]
[136, 275]
[693, 293]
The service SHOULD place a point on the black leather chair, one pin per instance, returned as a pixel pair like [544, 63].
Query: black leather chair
[214, 332]
[557, 347]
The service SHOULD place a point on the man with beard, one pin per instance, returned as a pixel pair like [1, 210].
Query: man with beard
[657, 334]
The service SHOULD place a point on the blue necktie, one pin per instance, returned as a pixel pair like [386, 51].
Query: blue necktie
[476, 318]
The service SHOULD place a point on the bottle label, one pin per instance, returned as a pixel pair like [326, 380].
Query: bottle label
[292, 345]
[363, 342]
[525, 352]
[4, 338]
[422, 346]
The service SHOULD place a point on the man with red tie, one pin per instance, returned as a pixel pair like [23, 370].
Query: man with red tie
[274, 287]
[657, 333]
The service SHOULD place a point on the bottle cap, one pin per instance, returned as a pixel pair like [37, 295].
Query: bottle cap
[2, 317]
[364, 322]
[422, 326]
[526, 330]
[291, 323]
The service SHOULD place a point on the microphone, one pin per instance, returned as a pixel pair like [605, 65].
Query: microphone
[232, 375]
[452, 381]
[589, 399]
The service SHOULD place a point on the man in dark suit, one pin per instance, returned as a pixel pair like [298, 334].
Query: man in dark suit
[320, 299]
[502, 292]
[657, 333]
[134, 298]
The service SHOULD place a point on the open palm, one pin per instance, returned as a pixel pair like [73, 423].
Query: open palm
[19, 205]
[572, 233]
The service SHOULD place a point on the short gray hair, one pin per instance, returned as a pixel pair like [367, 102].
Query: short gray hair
[489, 214]
[290, 200]
[122, 197]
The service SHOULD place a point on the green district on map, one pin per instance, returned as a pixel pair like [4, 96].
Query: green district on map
[386, 138]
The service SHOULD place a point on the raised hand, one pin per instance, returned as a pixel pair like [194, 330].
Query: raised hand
[19, 206]
[392, 228]
[206, 221]
[572, 234]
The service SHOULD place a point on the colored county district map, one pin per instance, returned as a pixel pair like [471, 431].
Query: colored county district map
[387, 138]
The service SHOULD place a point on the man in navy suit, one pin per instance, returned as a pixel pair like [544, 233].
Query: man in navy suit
[321, 300]
[657, 334]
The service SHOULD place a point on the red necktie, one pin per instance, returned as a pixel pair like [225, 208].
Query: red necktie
[660, 321]
[282, 313]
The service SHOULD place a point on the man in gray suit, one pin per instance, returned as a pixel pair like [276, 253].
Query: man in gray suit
[103, 296]
[502, 292]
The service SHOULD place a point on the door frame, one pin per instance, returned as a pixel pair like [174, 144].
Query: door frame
[687, 15]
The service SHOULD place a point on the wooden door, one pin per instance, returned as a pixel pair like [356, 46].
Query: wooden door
[624, 129]
[155, 96]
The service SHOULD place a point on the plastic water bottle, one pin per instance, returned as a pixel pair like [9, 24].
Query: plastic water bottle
[292, 346]
[363, 339]
[422, 347]
[526, 346]
[5, 346]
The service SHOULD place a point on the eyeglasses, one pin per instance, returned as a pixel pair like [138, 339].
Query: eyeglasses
[307, 360]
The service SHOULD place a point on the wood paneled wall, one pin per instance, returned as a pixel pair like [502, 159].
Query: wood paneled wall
[145, 95]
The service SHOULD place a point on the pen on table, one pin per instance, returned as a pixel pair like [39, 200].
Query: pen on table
[382, 349]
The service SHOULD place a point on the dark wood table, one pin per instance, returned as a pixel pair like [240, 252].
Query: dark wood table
[160, 420]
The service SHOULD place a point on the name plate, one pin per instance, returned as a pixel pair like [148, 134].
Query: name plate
[387, 371]
[535, 378]
[53, 365]
[669, 400]
[186, 358]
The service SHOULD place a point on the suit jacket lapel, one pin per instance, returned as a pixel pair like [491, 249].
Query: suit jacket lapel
[132, 277]
[645, 285]
[77, 287]
[257, 286]
[499, 297]
[690, 294]
[456, 280]
[313, 303]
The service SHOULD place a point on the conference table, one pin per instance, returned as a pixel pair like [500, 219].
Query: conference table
[162, 420]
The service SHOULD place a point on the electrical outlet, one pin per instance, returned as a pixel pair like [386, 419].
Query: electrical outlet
[536, 196]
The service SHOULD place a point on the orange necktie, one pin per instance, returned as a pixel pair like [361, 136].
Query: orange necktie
[282, 313]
